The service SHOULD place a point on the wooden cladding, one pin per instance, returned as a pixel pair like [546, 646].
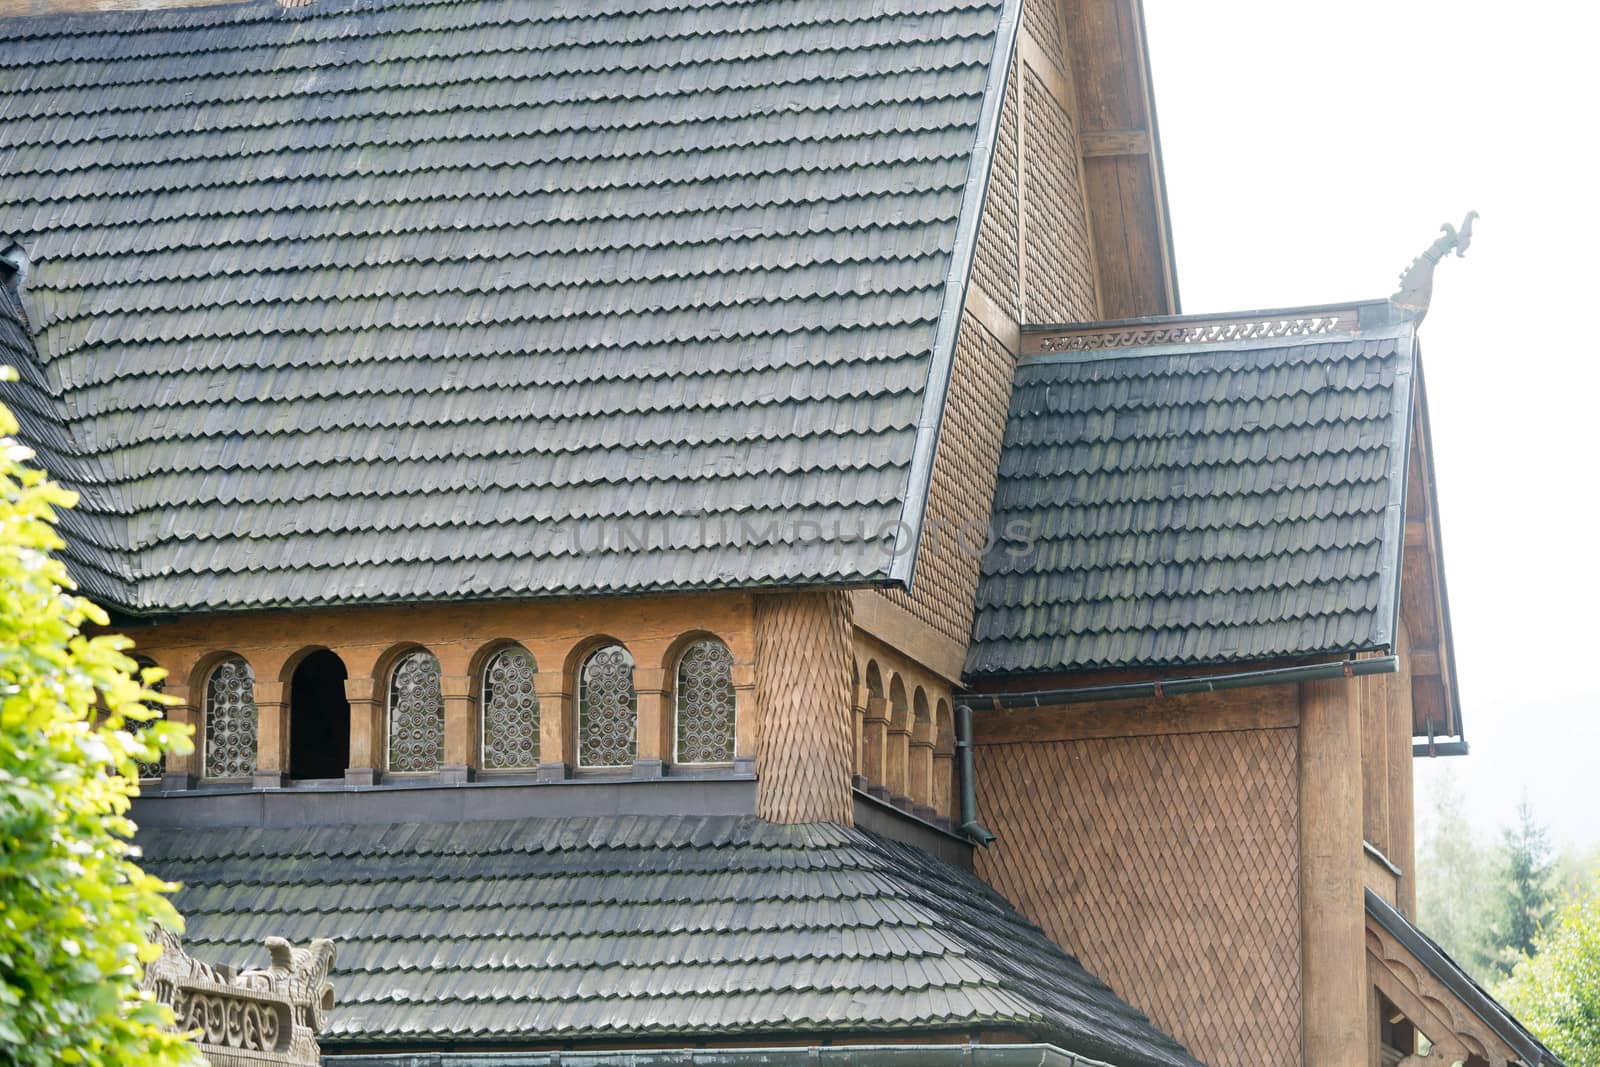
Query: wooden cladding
[806, 747]
[956, 523]
[1169, 864]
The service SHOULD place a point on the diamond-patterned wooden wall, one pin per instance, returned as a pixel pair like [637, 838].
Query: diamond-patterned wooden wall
[805, 751]
[1169, 865]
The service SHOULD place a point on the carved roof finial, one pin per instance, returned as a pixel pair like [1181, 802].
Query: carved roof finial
[1416, 283]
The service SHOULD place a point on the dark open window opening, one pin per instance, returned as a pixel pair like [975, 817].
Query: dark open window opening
[319, 718]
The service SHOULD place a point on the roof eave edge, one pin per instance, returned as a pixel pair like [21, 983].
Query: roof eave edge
[908, 537]
[1402, 405]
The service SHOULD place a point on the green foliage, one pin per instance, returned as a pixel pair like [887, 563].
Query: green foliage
[1523, 898]
[1453, 869]
[74, 906]
[1556, 992]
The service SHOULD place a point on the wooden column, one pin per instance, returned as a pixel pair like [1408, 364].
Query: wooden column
[874, 746]
[654, 728]
[1374, 694]
[920, 765]
[803, 662]
[747, 719]
[366, 730]
[858, 717]
[182, 770]
[1402, 803]
[272, 734]
[555, 729]
[460, 728]
[944, 777]
[1332, 911]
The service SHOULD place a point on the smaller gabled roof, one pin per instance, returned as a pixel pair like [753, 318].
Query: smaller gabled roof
[1427, 952]
[1186, 491]
[536, 932]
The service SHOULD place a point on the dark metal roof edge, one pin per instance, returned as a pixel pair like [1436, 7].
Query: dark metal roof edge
[1200, 683]
[1163, 202]
[1401, 405]
[972, 1054]
[1439, 964]
[908, 539]
[972, 674]
[124, 617]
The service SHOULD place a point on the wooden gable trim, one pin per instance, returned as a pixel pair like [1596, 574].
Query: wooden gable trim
[1424, 603]
[1457, 1033]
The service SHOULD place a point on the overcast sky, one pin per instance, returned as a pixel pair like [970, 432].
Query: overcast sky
[1312, 150]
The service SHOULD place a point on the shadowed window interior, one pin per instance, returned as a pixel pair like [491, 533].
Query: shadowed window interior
[705, 704]
[416, 714]
[231, 720]
[510, 711]
[319, 718]
[607, 709]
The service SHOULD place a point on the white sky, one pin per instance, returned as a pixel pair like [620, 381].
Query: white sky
[1311, 152]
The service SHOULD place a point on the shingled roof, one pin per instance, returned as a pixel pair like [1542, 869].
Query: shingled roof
[414, 299]
[640, 928]
[1189, 502]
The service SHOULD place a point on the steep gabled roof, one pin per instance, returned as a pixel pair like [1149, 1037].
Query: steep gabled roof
[640, 928]
[1193, 491]
[396, 300]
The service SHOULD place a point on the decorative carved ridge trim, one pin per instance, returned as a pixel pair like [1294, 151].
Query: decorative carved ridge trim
[269, 1016]
[1202, 331]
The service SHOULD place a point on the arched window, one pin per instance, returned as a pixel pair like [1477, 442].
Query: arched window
[319, 717]
[510, 710]
[705, 709]
[607, 709]
[159, 767]
[231, 720]
[416, 714]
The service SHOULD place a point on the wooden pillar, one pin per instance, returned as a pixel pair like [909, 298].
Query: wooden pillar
[803, 661]
[272, 734]
[460, 728]
[366, 730]
[1402, 803]
[556, 736]
[1373, 691]
[653, 733]
[944, 777]
[1332, 910]
[920, 766]
[874, 746]
[182, 771]
[858, 716]
[746, 718]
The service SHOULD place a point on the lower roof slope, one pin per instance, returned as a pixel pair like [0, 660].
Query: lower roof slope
[640, 928]
[1187, 503]
[397, 300]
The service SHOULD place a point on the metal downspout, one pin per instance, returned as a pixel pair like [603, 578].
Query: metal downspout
[969, 779]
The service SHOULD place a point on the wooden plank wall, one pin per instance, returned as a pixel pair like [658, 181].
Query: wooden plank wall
[1122, 166]
[1159, 841]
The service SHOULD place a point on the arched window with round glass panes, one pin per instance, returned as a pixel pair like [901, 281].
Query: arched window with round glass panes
[416, 715]
[510, 711]
[704, 712]
[230, 723]
[607, 709]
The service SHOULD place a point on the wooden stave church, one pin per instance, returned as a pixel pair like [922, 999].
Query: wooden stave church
[270, 231]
